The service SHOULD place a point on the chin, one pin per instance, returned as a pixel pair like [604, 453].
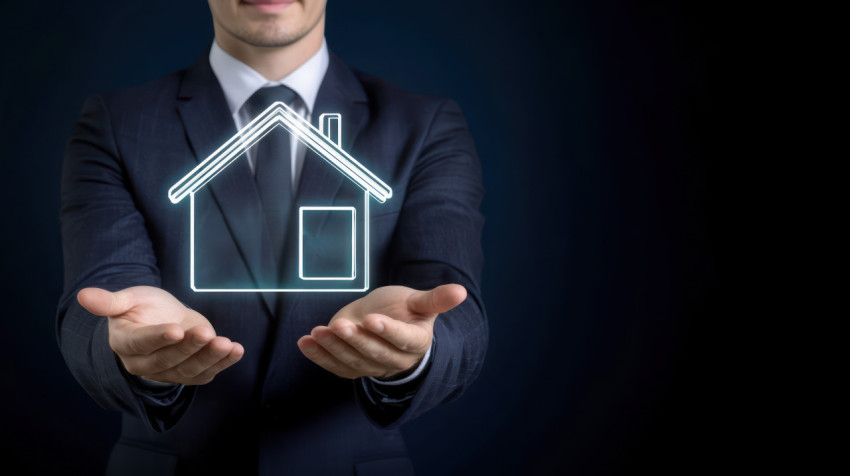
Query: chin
[271, 38]
[271, 28]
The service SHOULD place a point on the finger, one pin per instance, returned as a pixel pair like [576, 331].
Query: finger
[406, 337]
[438, 300]
[170, 356]
[346, 354]
[101, 302]
[135, 339]
[234, 356]
[200, 361]
[373, 347]
[321, 357]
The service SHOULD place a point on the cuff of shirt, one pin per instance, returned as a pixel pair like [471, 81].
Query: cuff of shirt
[423, 364]
[158, 394]
[397, 394]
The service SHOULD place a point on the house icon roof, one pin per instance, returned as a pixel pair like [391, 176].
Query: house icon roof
[279, 114]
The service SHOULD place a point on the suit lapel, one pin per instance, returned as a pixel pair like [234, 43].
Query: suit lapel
[340, 93]
[320, 182]
[208, 124]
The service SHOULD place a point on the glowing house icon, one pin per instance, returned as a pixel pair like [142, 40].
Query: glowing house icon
[330, 251]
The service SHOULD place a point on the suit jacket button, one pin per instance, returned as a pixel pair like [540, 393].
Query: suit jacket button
[270, 412]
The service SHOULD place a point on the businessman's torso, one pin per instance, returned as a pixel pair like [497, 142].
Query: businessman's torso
[275, 402]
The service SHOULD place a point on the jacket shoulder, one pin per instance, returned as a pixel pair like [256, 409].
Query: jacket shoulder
[148, 97]
[388, 98]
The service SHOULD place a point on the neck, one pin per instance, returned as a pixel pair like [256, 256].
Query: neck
[273, 63]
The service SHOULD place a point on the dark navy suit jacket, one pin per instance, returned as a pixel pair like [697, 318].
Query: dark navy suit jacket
[274, 412]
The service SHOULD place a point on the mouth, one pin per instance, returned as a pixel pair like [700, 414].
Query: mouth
[268, 6]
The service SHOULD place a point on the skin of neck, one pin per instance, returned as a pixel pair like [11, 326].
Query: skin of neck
[273, 63]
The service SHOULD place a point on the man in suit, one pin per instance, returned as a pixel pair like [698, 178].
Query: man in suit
[301, 383]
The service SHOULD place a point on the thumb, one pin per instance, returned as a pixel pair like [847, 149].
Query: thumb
[438, 300]
[101, 302]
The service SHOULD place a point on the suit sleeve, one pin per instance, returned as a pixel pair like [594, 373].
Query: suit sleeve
[438, 241]
[104, 244]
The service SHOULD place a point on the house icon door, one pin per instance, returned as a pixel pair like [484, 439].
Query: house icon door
[331, 252]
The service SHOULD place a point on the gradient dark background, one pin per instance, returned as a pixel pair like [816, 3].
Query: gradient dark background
[599, 128]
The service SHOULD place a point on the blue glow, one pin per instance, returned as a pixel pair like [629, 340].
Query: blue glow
[353, 273]
[326, 144]
[279, 114]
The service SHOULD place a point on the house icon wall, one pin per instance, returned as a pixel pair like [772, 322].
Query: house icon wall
[329, 242]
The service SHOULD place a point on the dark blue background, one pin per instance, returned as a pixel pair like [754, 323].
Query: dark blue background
[597, 123]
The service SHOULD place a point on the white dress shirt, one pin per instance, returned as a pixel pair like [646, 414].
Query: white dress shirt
[239, 82]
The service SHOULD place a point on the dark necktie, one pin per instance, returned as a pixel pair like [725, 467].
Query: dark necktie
[273, 170]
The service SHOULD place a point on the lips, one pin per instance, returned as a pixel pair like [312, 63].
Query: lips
[268, 2]
[268, 6]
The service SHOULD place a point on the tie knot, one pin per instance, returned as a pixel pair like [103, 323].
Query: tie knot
[264, 97]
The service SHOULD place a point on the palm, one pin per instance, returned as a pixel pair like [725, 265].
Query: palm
[383, 334]
[153, 306]
[159, 338]
[390, 301]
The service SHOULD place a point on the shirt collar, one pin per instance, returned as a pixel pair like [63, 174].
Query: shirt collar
[239, 81]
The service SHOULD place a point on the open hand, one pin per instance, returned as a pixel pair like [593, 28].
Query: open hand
[158, 338]
[382, 334]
